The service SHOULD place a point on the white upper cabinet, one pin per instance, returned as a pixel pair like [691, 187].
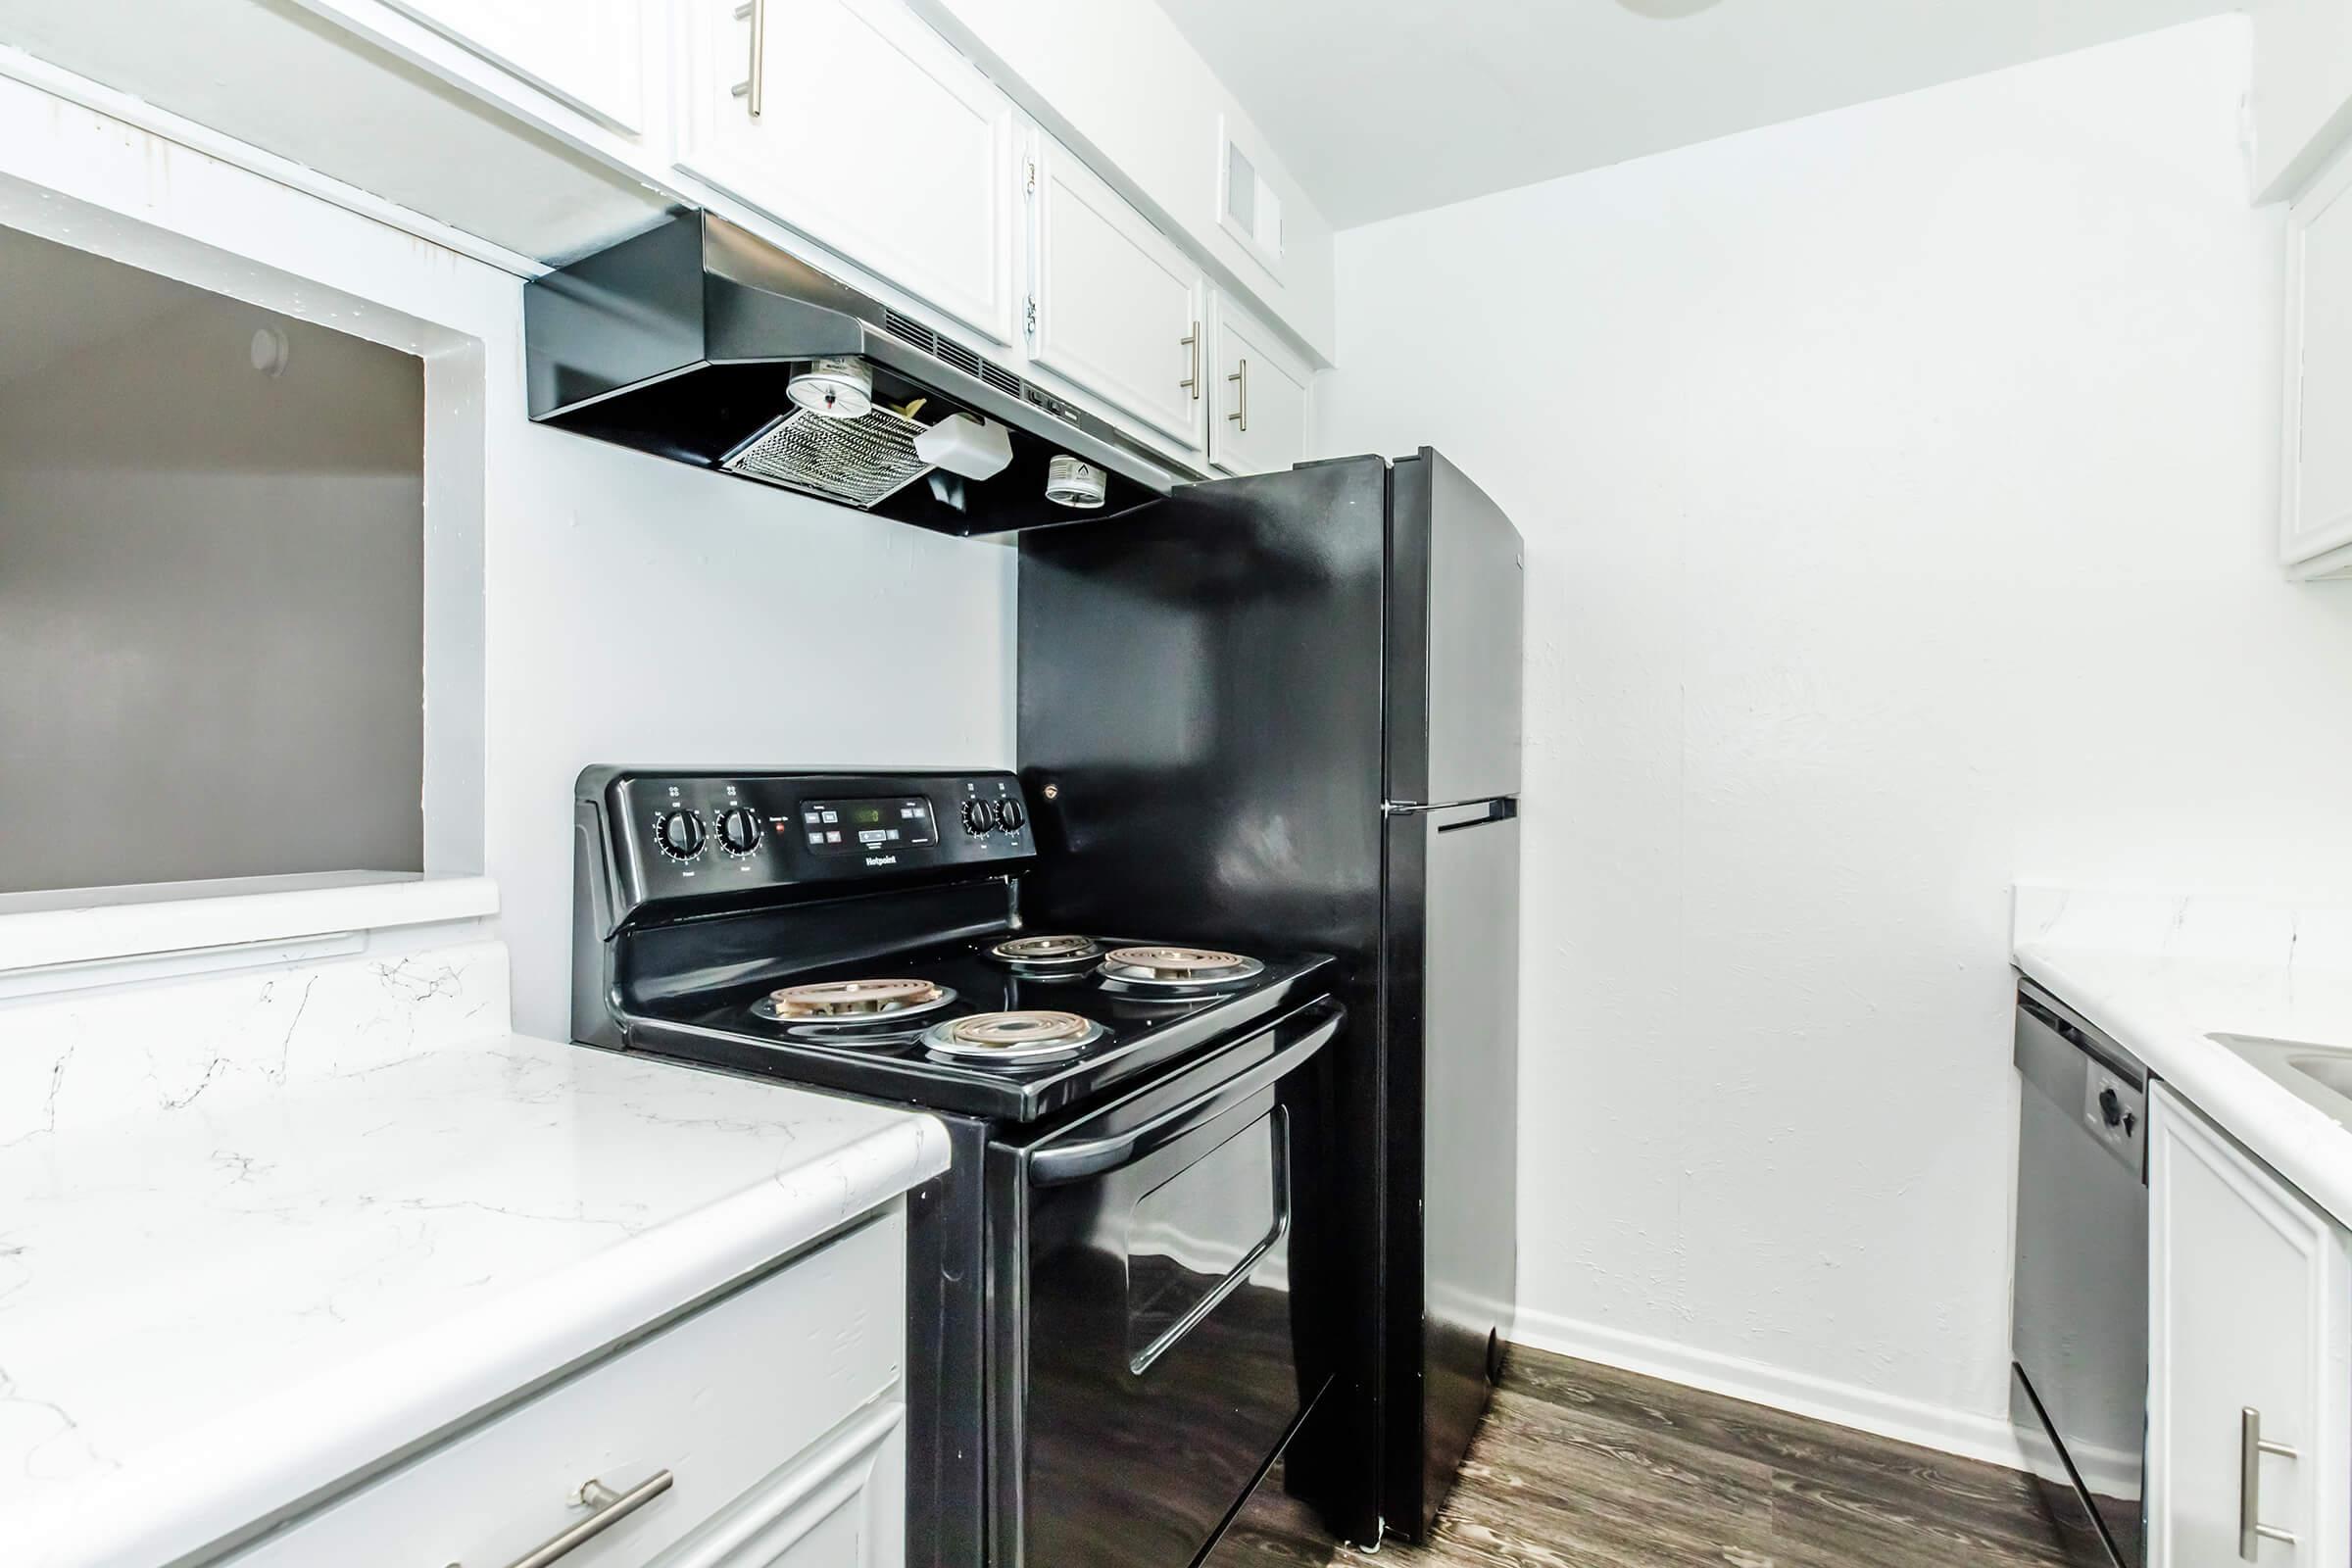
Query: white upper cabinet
[589, 53]
[1119, 80]
[1119, 306]
[856, 125]
[2315, 489]
[2250, 1360]
[1258, 395]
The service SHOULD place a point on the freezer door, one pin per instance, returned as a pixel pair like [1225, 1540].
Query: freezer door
[1452, 1014]
[1455, 603]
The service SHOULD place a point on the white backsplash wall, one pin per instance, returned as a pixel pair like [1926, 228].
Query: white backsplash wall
[643, 611]
[1898, 491]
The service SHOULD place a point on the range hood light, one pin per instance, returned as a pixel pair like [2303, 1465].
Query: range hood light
[837, 389]
[1074, 482]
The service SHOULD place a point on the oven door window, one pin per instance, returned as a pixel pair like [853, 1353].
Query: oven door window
[1194, 1239]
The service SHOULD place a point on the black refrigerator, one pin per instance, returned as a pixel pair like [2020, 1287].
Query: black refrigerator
[1286, 710]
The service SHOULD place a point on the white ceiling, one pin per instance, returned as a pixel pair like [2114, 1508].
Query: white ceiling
[1381, 106]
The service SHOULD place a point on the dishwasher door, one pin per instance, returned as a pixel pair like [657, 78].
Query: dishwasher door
[2080, 1311]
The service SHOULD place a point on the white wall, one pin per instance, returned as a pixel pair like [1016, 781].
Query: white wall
[642, 611]
[582, 602]
[1898, 493]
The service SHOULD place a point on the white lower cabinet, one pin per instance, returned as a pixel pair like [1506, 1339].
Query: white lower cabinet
[1258, 391]
[2250, 1360]
[762, 1431]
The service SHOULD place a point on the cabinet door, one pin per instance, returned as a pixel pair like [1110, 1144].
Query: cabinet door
[1257, 391]
[2246, 1313]
[589, 53]
[843, 1504]
[2315, 463]
[861, 127]
[1118, 306]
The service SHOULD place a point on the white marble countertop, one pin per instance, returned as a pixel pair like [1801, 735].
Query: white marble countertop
[2161, 974]
[247, 1255]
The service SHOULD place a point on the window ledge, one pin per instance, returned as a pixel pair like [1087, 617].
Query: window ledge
[90, 925]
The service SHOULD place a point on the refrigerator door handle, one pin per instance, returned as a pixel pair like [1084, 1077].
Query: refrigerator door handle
[1459, 813]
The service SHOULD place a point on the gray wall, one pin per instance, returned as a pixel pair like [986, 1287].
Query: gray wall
[211, 590]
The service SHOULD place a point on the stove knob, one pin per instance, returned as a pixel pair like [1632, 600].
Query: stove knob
[738, 830]
[977, 817]
[679, 833]
[1008, 815]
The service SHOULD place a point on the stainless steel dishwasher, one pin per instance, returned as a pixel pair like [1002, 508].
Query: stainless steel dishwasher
[2079, 1357]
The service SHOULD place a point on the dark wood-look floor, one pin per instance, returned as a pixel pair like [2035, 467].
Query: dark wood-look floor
[1583, 1466]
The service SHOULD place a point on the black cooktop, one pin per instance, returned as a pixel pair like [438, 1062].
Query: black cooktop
[1143, 1025]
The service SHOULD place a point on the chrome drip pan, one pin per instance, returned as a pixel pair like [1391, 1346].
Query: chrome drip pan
[1178, 969]
[1012, 1037]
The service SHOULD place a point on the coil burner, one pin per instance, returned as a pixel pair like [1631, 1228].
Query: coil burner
[1177, 969]
[1019, 1039]
[1045, 956]
[847, 1001]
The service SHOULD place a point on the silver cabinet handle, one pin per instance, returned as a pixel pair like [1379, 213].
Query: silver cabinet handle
[611, 1506]
[2251, 1446]
[1241, 413]
[1191, 340]
[754, 90]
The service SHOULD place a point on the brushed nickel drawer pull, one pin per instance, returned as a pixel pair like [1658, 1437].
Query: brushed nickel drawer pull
[1191, 340]
[1240, 414]
[611, 1506]
[754, 90]
[2251, 1446]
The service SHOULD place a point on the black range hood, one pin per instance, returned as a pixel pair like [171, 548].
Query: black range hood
[681, 341]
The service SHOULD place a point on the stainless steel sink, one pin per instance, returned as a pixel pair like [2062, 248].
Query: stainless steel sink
[2319, 1075]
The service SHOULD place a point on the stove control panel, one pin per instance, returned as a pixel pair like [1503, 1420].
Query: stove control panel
[672, 833]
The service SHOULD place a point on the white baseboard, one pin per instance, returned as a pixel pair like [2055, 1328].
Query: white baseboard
[1965, 1433]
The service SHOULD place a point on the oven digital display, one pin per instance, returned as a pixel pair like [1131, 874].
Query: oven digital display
[847, 827]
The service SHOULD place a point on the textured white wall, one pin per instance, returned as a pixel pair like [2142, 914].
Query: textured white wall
[1898, 494]
[642, 611]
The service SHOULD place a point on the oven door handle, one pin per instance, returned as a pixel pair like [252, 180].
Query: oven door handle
[1070, 1163]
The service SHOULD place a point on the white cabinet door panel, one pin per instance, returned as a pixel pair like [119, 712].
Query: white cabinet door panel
[719, 1399]
[1258, 391]
[841, 1506]
[2248, 1287]
[874, 138]
[589, 53]
[1118, 306]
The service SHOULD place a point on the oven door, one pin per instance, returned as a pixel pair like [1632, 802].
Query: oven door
[1155, 1283]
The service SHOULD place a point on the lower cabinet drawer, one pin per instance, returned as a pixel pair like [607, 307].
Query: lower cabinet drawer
[774, 1411]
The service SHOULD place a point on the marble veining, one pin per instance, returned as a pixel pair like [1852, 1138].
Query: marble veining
[2161, 973]
[266, 1227]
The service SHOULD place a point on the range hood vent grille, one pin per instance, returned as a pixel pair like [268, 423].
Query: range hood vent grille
[906, 329]
[860, 461]
[685, 340]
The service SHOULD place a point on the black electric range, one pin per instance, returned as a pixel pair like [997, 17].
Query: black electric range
[902, 1045]
[1133, 1250]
